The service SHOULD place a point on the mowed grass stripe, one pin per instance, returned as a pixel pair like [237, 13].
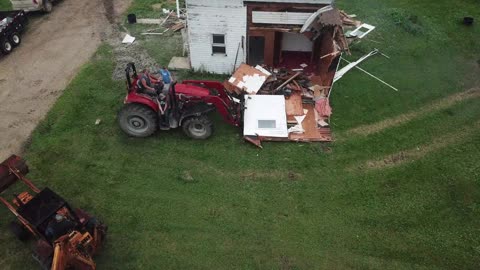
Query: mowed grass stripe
[458, 136]
[356, 150]
[441, 104]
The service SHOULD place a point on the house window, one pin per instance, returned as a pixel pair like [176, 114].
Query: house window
[218, 46]
[267, 124]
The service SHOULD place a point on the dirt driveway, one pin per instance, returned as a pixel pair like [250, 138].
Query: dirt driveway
[54, 47]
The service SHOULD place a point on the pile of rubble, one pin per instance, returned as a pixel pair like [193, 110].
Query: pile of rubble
[292, 102]
[305, 110]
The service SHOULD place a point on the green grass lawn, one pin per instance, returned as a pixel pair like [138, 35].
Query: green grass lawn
[5, 5]
[174, 203]
[143, 8]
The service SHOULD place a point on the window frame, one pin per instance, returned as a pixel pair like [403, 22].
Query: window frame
[219, 45]
[267, 124]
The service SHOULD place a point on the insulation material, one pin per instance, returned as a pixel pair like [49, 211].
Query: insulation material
[312, 133]
[298, 128]
[265, 116]
[323, 107]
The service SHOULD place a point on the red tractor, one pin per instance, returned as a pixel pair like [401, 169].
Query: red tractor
[188, 105]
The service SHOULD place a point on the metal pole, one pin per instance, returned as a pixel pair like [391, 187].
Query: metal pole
[373, 76]
[178, 8]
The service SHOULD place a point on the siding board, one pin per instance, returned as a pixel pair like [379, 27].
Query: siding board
[205, 18]
[290, 18]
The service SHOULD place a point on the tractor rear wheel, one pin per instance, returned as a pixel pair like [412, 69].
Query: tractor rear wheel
[199, 128]
[5, 46]
[137, 120]
[19, 231]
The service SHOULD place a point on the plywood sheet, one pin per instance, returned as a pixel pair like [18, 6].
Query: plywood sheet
[247, 78]
[293, 105]
[312, 133]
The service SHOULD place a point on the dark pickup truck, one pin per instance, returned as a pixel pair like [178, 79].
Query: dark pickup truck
[12, 24]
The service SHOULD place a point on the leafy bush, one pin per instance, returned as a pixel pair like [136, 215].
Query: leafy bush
[408, 22]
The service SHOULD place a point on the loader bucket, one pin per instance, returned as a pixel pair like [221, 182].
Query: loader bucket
[6, 177]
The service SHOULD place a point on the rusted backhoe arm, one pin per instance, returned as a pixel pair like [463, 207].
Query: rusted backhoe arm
[11, 170]
[71, 251]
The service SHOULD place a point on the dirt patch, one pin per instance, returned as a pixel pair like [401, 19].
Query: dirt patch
[54, 47]
[187, 178]
[420, 151]
[286, 263]
[257, 176]
[401, 119]
[109, 10]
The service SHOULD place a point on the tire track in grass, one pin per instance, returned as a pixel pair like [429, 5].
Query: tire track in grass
[413, 154]
[246, 175]
[438, 105]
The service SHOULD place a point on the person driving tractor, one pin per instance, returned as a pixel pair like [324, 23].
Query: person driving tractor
[149, 84]
[154, 87]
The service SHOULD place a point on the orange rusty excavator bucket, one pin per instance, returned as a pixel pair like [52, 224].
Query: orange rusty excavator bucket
[10, 170]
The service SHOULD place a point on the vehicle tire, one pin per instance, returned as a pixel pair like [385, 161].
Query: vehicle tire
[198, 128]
[48, 6]
[102, 229]
[15, 39]
[45, 263]
[138, 120]
[19, 231]
[5, 46]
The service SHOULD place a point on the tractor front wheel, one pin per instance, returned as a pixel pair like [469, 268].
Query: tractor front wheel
[199, 128]
[48, 6]
[15, 39]
[137, 120]
[19, 231]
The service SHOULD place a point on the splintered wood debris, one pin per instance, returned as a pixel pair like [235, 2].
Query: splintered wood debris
[288, 103]
[248, 79]
[281, 105]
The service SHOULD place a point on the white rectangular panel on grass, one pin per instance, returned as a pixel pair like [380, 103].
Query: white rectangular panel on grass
[265, 116]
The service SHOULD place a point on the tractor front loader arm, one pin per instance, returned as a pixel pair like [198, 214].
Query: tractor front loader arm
[72, 252]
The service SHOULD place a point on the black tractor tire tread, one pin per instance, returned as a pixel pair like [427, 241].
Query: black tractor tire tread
[19, 39]
[133, 108]
[3, 42]
[204, 120]
[19, 231]
[48, 6]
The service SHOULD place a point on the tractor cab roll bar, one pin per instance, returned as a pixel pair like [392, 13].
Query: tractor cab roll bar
[130, 69]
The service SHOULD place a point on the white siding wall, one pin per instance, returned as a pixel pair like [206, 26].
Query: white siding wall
[208, 17]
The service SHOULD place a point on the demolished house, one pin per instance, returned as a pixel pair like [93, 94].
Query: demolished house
[283, 54]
